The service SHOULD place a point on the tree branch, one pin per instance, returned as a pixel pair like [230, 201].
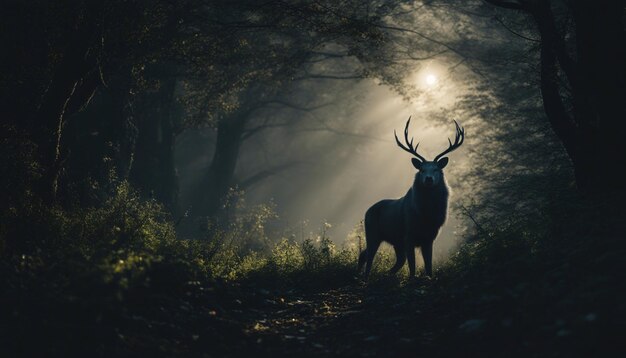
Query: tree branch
[326, 128]
[513, 5]
[324, 56]
[544, 18]
[556, 112]
[328, 77]
[264, 174]
[297, 106]
[506, 27]
[249, 132]
[428, 57]
[254, 130]
[425, 37]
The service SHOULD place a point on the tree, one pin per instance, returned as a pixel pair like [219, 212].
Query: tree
[60, 54]
[583, 82]
[289, 41]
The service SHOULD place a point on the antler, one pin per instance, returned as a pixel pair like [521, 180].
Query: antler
[460, 137]
[410, 148]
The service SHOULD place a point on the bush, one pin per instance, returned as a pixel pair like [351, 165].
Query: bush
[126, 250]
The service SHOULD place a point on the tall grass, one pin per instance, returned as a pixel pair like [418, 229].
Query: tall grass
[128, 243]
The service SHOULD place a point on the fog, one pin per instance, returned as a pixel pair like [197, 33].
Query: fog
[330, 162]
[344, 155]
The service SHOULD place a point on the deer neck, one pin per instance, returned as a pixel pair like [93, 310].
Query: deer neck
[429, 200]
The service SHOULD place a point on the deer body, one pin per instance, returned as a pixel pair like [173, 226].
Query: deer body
[413, 220]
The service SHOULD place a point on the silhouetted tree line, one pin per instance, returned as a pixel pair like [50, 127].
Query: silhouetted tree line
[583, 83]
[95, 90]
[101, 89]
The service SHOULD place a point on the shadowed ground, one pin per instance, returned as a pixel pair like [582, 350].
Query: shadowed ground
[387, 317]
[556, 292]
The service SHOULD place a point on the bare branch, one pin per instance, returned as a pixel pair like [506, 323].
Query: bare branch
[506, 27]
[325, 56]
[297, 106]
[328, 77]
[428, 57]
[264, 174]
[435, 41]
[425, 37]
[469, 214]
[513, 5]
[326, 128]
[249, 132]
[255, 130]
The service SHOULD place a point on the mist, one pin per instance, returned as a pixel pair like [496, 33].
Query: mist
[190, 178]
[334, 154]
[343, 157]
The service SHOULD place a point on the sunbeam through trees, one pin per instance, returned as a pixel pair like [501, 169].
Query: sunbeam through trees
[204, 178]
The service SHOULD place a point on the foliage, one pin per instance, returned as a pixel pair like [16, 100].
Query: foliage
[129, 243]
[516, 165]
[107, 267]
[18, 162]
[311, 263]
[113, 273]
[537, 281]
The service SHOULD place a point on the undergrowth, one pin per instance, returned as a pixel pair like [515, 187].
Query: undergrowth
[554, 279]
[129, 243]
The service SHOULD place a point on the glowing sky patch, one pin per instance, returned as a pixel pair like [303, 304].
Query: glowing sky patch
[431, 79]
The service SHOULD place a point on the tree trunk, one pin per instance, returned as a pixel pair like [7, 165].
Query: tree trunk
[99, 139]
[593, 133]
[73, 84]
[153, 170]
[215, 185]
[601, 56]
[564, 126]
[123, 129]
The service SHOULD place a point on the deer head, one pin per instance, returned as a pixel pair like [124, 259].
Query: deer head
[430, 173]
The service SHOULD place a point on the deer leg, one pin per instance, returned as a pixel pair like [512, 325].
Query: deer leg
[427, 254]
[362, 259]
[371, 252]
[410, 255]
[400, 259]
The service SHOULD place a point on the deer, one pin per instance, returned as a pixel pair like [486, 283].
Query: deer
[414, 220]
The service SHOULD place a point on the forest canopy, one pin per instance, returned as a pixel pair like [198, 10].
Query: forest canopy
[200, 153]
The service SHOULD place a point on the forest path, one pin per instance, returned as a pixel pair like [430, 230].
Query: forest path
[355, 320]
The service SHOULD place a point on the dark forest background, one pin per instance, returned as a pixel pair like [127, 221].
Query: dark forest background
[187, 178]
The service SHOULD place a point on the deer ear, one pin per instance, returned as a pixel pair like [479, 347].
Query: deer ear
[441, 163]
[416, 163]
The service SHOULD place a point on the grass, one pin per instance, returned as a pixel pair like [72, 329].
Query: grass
[115, 280]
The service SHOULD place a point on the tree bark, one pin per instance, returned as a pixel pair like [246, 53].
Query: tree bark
[153, 170]
[99, 139]
[560, 119]
[219, 178]
[592, 129]
[73, 84]
[601, 59]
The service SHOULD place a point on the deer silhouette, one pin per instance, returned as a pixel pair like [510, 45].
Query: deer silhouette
[415, 219]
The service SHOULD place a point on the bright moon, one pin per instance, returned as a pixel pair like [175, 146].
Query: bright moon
[431, 79]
